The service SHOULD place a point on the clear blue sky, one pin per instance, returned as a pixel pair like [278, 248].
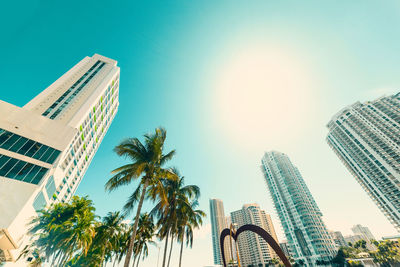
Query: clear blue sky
[228, 79]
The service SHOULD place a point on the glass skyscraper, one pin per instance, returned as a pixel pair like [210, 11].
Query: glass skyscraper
[301, 219]
[219, 223]
[366, 138]
[47, 145]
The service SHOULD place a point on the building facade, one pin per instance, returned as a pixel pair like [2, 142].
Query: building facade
[300, 216]
[365, 233]
[219, 223]
[366, 138]
[47, 145]
[285, 248]
[253, 249]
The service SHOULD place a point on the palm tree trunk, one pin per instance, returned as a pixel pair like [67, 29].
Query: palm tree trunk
[165, 250]
[134, 261]
[132, 240]
[180, 256]
[170, 250]
[103, 256]
[138, 259]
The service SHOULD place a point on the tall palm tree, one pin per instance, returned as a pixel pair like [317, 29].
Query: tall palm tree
[189, 219]
[147, 164]
[179, 197]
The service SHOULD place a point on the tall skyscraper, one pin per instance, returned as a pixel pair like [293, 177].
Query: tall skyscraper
[366, 235]
[47, 145]
[219, 223]
[366, 138]
[300, 216]
[364, 231]
[253, 250]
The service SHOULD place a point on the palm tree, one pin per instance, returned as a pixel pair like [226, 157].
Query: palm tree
[190, 219]
[145, 234]
[106, 239]
[63, 231]
[147, 166]
[179, 197]
[123, 244]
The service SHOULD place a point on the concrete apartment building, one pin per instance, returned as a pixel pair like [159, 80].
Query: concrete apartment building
[47, 145]
[366, 138]
[297, 210]
[253, 249]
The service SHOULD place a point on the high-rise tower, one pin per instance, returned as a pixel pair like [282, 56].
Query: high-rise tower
[366, 138]
[219, 223]
[300, 216]
[253, 249]
[47, 145]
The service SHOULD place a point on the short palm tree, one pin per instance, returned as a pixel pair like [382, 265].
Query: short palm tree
[63, 231]
[123, 244]
[147, 164]
[106, 238]
[145, 234]
[179, 197]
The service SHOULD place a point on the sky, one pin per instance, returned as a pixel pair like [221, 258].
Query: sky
[229, 80]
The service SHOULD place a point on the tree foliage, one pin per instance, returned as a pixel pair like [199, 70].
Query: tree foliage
[387, 253]
[147, 161]
[70, 234]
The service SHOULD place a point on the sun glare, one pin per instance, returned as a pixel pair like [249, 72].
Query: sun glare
[263, 96]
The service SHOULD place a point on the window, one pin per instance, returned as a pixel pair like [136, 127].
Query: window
[3, 160]
[31, 175]
[8, 166]
[13, 173]
[50, 186]
[21, 170]
[33, 150]
[39, 202]
[24, 171]
[10, 141]
[24, 146]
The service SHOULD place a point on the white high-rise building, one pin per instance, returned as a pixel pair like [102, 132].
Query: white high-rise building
[300, 216]
[358, 229]
[47, 145]
[364, 231]
[219, 223]
[338, 238]
[253, 249]
[366, 138]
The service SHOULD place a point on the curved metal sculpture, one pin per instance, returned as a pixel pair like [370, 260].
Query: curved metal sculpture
[255, 229]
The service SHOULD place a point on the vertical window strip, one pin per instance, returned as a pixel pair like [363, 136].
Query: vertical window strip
[68, 100]
[70, 89]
